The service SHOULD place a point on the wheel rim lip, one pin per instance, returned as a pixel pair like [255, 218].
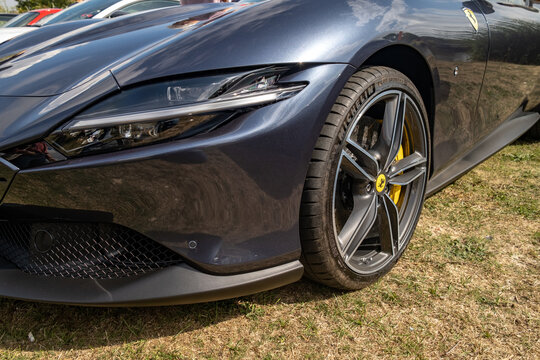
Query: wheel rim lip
[404, 232]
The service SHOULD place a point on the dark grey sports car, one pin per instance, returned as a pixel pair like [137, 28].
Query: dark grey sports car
[208, 151]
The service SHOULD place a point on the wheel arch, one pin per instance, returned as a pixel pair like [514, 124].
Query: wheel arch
[414, 65]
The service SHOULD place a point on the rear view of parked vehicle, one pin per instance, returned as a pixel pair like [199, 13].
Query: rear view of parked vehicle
[30, 18]
[24, 23]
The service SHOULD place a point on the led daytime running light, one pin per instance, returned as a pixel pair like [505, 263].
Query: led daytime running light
[224, 103]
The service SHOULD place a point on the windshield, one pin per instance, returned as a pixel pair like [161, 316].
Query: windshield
[22, 20]
[84, 10]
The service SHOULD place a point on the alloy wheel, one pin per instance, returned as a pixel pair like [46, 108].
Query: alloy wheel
[380, 179]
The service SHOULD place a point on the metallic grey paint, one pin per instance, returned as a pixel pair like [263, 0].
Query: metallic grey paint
[236, 190]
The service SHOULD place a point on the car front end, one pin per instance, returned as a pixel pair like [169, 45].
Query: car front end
[123, 190]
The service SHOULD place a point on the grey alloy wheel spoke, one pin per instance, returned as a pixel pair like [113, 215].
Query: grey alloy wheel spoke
[409, 162]
[351, 167]
[368, 161]
[358, 224]
[388, 225]
[408, 177]
[392, 128]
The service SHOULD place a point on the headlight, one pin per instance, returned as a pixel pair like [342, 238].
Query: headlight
[169, 110]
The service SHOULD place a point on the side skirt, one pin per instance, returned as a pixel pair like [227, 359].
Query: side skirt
[506, 133]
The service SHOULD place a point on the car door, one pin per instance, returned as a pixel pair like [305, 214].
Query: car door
[511, 84]
[460, 46]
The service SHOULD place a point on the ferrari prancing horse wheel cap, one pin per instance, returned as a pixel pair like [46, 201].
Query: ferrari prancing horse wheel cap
[380, 185]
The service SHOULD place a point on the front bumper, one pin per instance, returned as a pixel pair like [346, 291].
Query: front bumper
[227, 202]
[174, 285]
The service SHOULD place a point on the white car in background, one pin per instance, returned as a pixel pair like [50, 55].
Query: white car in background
[10, 33]
[20, 24]
[90, 9]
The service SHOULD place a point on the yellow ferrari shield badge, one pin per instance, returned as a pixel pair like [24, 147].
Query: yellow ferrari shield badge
[381, 183]
[472, 18]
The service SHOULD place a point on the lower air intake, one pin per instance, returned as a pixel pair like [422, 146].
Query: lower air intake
[80, 250]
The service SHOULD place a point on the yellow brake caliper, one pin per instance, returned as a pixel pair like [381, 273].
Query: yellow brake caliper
[395, 192]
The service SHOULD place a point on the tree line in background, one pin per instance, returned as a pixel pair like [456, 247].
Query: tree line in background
[27, 5]
[3, 7]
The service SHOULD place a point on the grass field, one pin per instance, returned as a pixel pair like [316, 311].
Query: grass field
[467, 287]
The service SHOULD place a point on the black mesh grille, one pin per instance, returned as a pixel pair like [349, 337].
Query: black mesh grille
[76, 250]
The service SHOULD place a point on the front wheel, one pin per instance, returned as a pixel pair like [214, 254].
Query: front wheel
[366, 181]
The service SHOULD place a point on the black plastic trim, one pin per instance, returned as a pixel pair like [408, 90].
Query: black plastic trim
[506, 133]
[171, 286]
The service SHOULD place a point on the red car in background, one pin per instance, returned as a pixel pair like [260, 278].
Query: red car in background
[30, 18]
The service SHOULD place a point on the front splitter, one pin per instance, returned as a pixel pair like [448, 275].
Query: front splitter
[175, 285]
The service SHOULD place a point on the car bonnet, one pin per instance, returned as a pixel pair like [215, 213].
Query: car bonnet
[58, 58]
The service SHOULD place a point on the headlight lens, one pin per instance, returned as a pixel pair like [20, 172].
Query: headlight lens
[169, 110]
[118, 137]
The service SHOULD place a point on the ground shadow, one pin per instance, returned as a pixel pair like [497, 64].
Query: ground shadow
[58, 327]
[530, 137]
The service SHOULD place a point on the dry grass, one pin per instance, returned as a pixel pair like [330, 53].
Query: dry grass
[468, 287]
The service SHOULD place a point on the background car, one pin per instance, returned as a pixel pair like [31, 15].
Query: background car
[30, 17]
[209, 151]
[90, 9]
[10, 33]
[4, 18]
[100, 9]
[24, 23]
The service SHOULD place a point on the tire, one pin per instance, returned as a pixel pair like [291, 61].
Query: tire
[366, 180]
